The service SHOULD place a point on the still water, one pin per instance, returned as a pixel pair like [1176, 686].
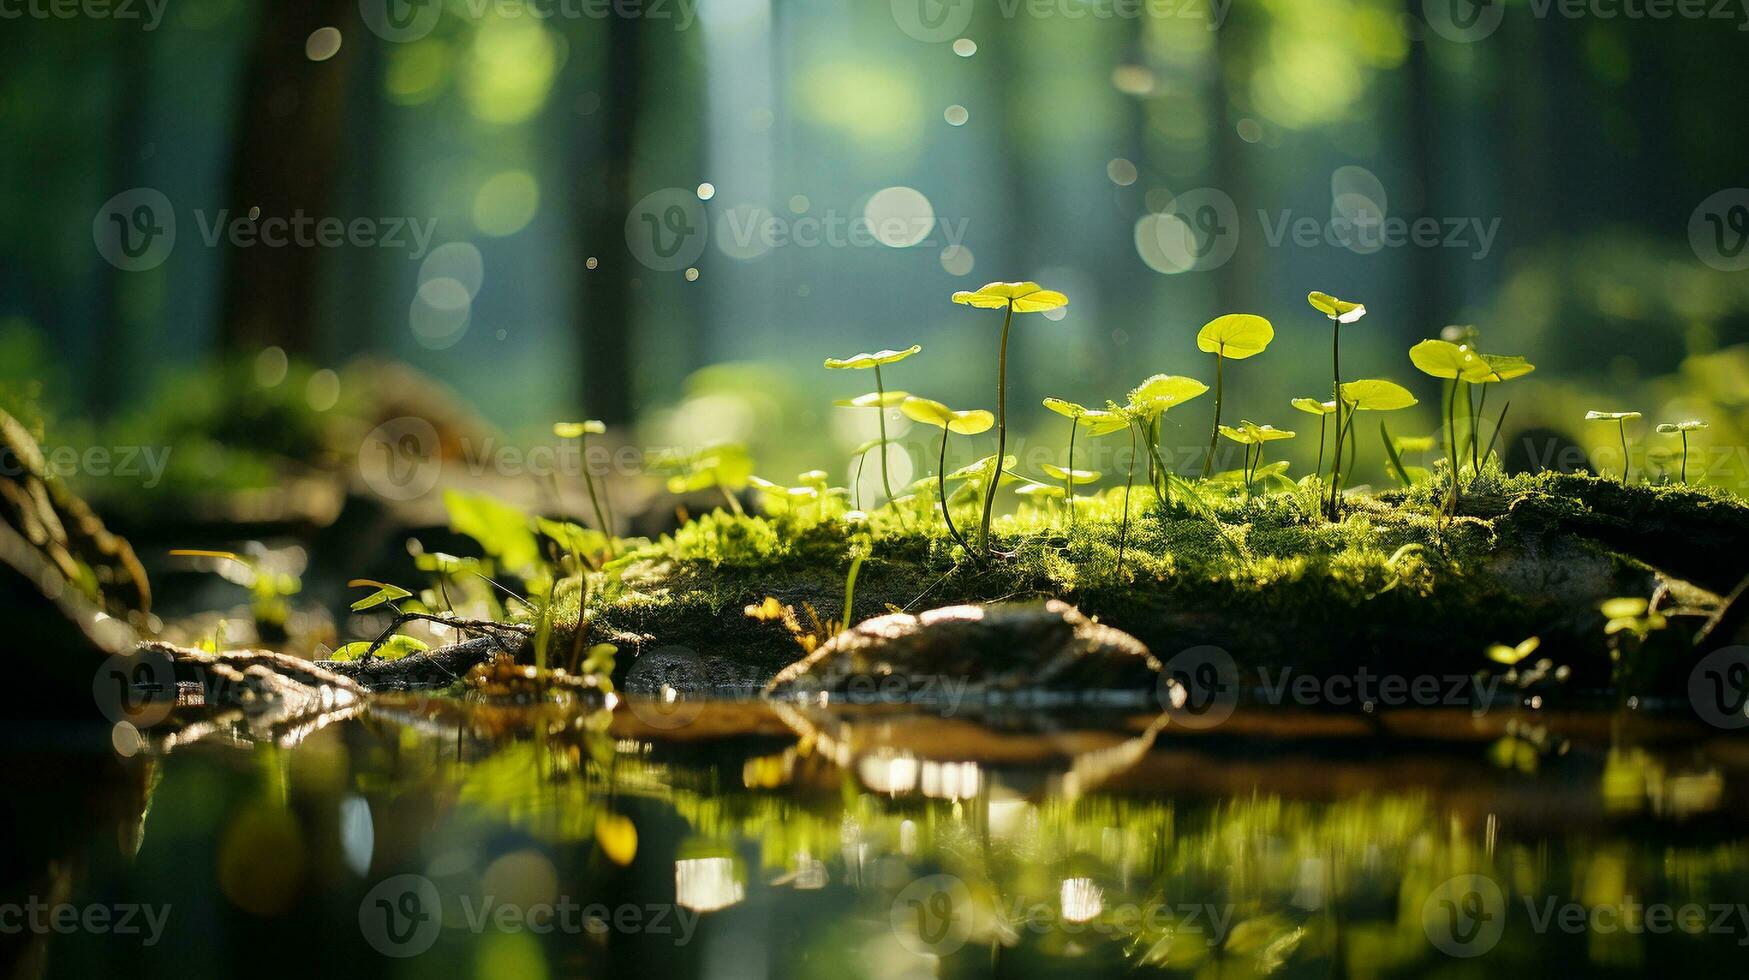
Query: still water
[425, 837]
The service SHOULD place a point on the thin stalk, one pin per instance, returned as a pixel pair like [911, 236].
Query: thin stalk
[941, 489]
[861, 461]
[1123, 534]
[1499, 425]
[1451, 443]
[734, 505]
[1069, 481]
[1323, 420]
[1621, 426]
[1336, 456]
[594, 501]
[1684, 456]
[1476, 456]
[881, 392]
[1215, 433]
[1001, 428]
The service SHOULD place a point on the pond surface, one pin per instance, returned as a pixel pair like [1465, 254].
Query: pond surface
[430, 838]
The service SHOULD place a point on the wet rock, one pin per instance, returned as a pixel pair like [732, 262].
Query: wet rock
[973, 651]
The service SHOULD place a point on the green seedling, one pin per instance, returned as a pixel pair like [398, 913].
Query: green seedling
[1253, 437]
[1450, 362]
[581, 431]
[1631, 614]
[1492, 369]
[1323, 410]
[970, 423]
[1238, 336]
[881, 399]
[725, 466]
[1041, 491]
[1682, 429]
[1338, 311]
[1373, 395]
[1500, 653]
[268, 589]
[1070, 478]
[1621, 420]
[1074, 413]
[1150, 400]
[1011, 298]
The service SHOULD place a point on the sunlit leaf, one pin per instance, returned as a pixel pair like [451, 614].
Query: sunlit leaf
[874, 399]
[1312, 406]
[574, 430]
[1236, 335]
[1066, 409]
[1026, 297]
[1046, 490]
[877, 359]
[1077, 476]
[1596, 416]
[1444, 359]
[1336, 309]
[1501, 653]
[1250, 433]
[1692, 425]
[1498, 367]
[394, 648]
[1376, 395]
[618, 838]
[501, 529]
[1161, 392]
[384, 593]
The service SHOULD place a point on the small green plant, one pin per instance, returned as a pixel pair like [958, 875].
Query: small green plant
[1338, 311]
[1253, 437]
[1373, 395]
[1148, 401]
[1323, 410]
[268, 588]
[1069, 478]
[1682, 429]
[970, 423]
[1491, 369]
[1238, 336]
[1621, 420]
[581, 431]
[1011, 298]
[1450, 362]
[725, 466]
[880, 399]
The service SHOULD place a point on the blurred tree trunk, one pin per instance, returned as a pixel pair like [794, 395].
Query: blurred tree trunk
[284, 157]
[113, 352]
[604, 199]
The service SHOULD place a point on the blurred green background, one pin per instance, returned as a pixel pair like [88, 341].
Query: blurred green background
[1141, 157]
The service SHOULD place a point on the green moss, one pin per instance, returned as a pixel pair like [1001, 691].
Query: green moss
[1274, 583]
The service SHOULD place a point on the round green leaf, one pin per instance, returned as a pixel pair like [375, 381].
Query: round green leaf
[1161, 392]
[1066, 409]
[1444, 359]
[1058, 473]
[874, 399]
[1041, 490]
[1100, 422]
[1340, 310]
[1026, 297]
[1376, 395]
[575, 430]
[1596, 416]
[1312, 406]
[1498, 367]
[1236, 335]
[876, 359]
[1692, 425]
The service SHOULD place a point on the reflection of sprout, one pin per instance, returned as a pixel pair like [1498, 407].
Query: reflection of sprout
[1503, 654]
[968, 423]
[1682, 429]
[581, 432]
[1236, 335]
[1252, 436]
[1323, 410]
[1621, 420]
[1339, 311]
[1012, 298]
[1451, 362]
[1373, 395]
[880, 399]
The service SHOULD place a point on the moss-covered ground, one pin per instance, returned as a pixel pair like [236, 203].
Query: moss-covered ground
[1393, 586]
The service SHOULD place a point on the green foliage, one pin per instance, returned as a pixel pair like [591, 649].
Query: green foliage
[385, 593]
[394, 648]
[500, 529]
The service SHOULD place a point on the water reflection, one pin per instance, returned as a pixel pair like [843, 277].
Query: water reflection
[886, 843]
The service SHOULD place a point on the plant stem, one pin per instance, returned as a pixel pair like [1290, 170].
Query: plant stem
[860, 462]
[1123, 534]
[941, 489]
[1451, 443]
[1215, 433]
[734, 505]
[1336, 457]
[1475, 436]
[1684, 456]
[1001, 428]
[1621, 426]
[601, 520]
[1323, 420]
[1069, 481]
[881, 392]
